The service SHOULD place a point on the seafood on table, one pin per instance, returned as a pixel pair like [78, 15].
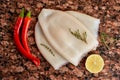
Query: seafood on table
[65, 36]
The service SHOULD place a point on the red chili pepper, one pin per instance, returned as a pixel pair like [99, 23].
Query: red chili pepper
[18, 43]
[25, 27]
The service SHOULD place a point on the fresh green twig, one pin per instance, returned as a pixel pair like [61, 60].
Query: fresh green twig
[48, 49]
[103, 36]
[77, 34]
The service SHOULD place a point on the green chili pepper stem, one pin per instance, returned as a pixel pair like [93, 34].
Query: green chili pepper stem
[28, 14]
[22, 13]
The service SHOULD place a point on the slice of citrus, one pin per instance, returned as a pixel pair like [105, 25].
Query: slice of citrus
[94, 63]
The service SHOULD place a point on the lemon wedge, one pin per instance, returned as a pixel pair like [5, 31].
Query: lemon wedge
[94, 63]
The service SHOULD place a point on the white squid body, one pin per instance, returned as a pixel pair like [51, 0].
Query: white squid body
[91, 23]
[54, 59]
[54, 32]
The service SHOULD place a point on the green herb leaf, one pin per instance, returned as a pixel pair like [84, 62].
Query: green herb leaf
[48, 49]
[103, 38]
[77, 34]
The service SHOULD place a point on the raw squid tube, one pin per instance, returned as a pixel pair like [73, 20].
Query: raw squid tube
[54, 59]
[91, 23]
[56, 25]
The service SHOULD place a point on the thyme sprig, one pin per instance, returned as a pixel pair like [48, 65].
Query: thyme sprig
[103, 38]
[77, 34]
[47, 48]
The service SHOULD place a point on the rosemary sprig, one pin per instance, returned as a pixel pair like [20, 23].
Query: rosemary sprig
[103, 37]
[77, 34]
[48, 49]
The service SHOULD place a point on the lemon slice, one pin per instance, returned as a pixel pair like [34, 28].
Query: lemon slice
[94, 63]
